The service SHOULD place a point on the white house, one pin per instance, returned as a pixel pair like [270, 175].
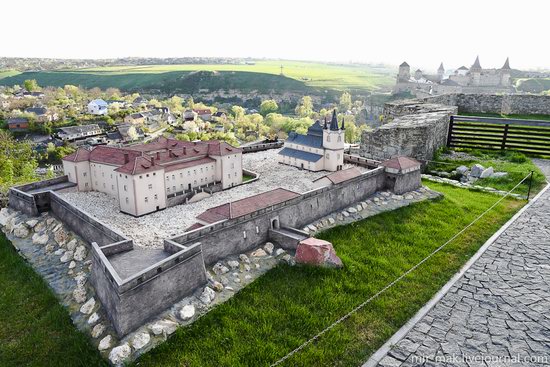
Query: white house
[98, 107]
[322, 148]
[143, 177]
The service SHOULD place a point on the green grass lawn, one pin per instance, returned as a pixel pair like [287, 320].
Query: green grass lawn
[35, 330]
[307, 77]
[516, 164]
[288, 305]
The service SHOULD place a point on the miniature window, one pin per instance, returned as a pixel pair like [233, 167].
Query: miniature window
[167, 178]
[112, 187]
[181, 174]
[174, 188]
[228, 175]
[146, 199]
[232, 165]
[328, 156]
[86, 184]
[147, 175]
[244, 234]
[188, 173]
[127, 201]
[168, 189]
[154, 174]
[125, 188]
[140, 177]
[339, 138]
[257, 229]
[173, 177]
[84, 174]
[156, 197]
[150, 186]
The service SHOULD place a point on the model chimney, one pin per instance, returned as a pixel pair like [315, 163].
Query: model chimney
[152, 161]
[184, 151]
[126, 158]
[170, 153]
[158, 155]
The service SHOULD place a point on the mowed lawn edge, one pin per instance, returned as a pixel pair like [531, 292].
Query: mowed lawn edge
[289, 305]
[35, 330]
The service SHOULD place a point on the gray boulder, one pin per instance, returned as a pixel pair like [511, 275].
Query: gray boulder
[462, 170]
[487, 173]
[499, 174]
[477, 169]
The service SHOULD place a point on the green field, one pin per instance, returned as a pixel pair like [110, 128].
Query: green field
[533, 85]
[302, 77]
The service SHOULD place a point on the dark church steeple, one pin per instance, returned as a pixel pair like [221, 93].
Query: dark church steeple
[343, 126]
[334, 121]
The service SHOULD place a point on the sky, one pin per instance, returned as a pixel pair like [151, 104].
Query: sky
[422, 32]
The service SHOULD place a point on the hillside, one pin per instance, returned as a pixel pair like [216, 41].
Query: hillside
[533, 85]
[264, 76]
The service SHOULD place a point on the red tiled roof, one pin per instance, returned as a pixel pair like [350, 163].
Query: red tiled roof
[111, 155]
[221, 148]
[138, 165]
[80, 155]
[341, 176]
[247, 205]
[195, 162]
[165, 153]
[401, 163]
[194, 226]
[203, 112]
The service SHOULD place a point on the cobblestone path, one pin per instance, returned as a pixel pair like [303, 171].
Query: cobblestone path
[498, 313]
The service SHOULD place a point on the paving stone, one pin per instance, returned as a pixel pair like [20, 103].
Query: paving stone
[499, 307]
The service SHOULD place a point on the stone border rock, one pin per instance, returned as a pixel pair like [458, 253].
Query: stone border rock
[470, 186]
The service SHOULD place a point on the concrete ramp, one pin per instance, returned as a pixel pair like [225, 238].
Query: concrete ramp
[287, 237]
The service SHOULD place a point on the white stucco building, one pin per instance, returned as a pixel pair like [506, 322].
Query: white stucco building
[322, 148]
[143, 177]
[98, 107]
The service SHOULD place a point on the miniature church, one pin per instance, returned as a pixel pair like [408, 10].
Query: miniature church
[322, 148]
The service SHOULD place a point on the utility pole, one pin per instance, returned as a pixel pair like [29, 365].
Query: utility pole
[281, 69]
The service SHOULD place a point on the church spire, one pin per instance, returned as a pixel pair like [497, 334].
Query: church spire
[326, 124]
[506, 65]
[334, 121]
[441, 68]
[476, 64]
[343, 126]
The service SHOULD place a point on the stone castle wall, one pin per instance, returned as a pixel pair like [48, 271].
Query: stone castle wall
[418, 127]
[239, 235]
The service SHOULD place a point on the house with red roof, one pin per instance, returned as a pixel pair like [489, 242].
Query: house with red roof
[143, 177]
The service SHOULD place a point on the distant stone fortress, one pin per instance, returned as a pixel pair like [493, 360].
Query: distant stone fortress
[463, 80]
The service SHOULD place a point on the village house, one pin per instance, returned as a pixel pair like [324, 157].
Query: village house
[144, 177]
[71, 133]
[203, 114]
[189, 115]
[322, 148]
[18, 124]
[135, 118]
[98, 107]
[42, 114]
[337, 177]
[129, 132]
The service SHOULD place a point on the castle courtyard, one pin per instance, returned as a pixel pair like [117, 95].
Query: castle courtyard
[150, 230]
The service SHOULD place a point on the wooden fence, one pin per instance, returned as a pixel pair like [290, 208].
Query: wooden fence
[526, 136]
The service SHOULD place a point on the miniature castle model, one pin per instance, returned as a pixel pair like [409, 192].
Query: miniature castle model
[462, 80]
[144, 177]
[322, 148]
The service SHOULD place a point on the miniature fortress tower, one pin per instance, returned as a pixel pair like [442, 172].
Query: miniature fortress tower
[322, 148]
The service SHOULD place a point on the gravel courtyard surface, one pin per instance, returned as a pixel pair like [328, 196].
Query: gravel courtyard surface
[151, 229]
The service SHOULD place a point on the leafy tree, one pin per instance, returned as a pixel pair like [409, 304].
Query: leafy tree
[190, 103]
[237, 112]
[345, 102]
[268, 106]
[305, 107]
[31, 85]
